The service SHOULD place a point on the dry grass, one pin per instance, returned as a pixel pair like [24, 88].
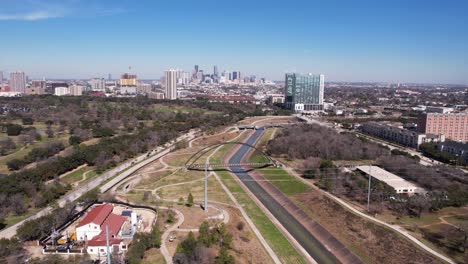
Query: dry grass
[371, 242]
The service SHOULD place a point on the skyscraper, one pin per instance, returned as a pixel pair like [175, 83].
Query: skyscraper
[171, 84]
[215, 71]
[234, 75]
[304, 92]
[1, 76]
[18, 82]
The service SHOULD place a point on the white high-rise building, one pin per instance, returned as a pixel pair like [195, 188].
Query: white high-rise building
[1, 77]
[75, 90]
[61, 91]
[18, 82]
[171, 84]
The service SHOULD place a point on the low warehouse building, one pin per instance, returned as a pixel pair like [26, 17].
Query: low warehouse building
[400, 185]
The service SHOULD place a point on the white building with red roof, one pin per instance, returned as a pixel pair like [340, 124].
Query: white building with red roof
[93, 229]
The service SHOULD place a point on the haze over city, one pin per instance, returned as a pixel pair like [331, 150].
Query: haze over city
[388, 41]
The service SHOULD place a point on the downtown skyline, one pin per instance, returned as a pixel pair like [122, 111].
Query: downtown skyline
[417, 42]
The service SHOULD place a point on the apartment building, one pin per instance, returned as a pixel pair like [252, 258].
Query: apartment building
[399, 135]
[453, 125]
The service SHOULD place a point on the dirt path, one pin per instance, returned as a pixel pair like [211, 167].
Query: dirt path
[443, 221]
[396, 228]
[65, 174]
[83, 178]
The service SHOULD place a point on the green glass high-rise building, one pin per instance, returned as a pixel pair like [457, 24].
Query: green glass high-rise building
[304, 92]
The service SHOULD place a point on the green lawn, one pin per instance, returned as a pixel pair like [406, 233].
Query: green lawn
[280, 245]
[286, 183]
[78, 175]
[12, 218]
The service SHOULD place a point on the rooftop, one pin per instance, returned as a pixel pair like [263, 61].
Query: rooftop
[387, 177]
[97, 215]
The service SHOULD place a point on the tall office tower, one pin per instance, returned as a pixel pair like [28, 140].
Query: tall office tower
[171, 84]
[196, 68]
[18, 82]
[215, 71]
[234, 76]
[304, 92]
[109, 77]
[1, 77]
[453, 125]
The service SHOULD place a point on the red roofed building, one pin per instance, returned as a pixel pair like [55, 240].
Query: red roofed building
[91, 224]
[93, 229]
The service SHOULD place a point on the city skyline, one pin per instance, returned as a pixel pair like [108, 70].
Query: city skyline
[418, 42]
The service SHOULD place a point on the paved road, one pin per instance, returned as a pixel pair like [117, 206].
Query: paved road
[296, 229]
[74, 195]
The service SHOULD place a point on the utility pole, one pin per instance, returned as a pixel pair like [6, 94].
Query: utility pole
[368, 191]
[206, 187]
[107, 244]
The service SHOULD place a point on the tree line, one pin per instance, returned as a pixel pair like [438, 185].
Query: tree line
[125, 128]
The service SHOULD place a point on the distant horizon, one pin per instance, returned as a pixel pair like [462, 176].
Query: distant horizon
[158, 79]
[351, 41]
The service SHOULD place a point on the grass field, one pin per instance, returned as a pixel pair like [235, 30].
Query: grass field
[12, 218]
[22, 151]
[153, 256]
[78, 175]
[196, 188]
[286, 183]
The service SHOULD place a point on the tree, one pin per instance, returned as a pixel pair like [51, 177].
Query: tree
[14, 130]
[204, 235]
[170, 218]
[27, 121]
[181, 201]
[103, 132]
[188, 245]
[18, 204]
[6, 145]
[74, 140]
[419, 203]
[463, 228]
[49, 132]
[240, 226]
[189, 200]
[224, 257]
[10, 247]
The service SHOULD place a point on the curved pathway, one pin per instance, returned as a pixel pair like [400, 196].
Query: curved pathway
[220, 133]
[226, 218]
[83, 178]
[396, 228]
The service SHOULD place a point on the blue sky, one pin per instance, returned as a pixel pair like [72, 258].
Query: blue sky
[358, 40]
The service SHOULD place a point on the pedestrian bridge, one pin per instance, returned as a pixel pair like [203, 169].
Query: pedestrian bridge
[193, 162]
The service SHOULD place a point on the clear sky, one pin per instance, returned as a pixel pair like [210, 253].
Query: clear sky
[349, 40]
